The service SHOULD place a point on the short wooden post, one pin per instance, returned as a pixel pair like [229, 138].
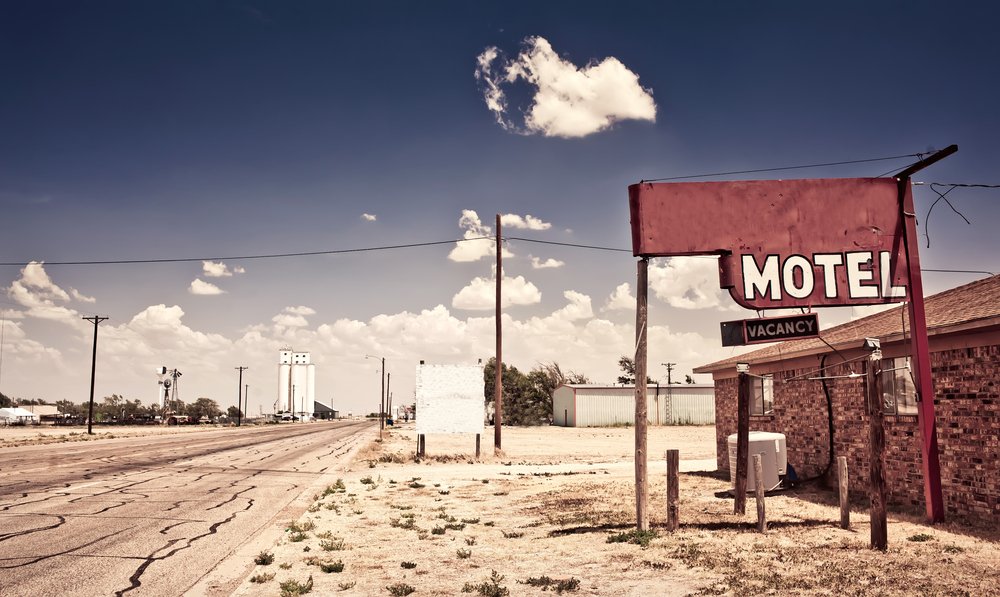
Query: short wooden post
[876, 446]
[422, 445]
[742, 442]
[758, 474]
[845, 504]
[673, 490]
[477, 446]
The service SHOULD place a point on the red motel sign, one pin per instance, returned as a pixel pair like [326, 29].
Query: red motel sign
[782, 243]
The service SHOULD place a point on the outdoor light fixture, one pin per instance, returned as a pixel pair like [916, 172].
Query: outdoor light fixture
[871, 344]
[743, 367]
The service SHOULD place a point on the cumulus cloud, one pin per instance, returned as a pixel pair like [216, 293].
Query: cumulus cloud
[36, 291]
[369, 217]
[527, 222]
[300, 310]
[200, 287]
[549, 263]
[568, 101]
[290, 320]
[621, 299]
[480, 294]
[474, 250]
[689, 283]
[212, 269]
[77, 295]
[577, 309]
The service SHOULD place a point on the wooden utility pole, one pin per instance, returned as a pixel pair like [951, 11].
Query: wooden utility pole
[246, 398]
[381, 404]
[876, 447]
[498, 374]
[743, 392]
[641, 318]
[239, 397]
[93, 371]
[388, 397]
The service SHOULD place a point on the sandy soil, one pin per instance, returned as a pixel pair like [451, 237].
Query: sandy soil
[17, 435]
[546, 514]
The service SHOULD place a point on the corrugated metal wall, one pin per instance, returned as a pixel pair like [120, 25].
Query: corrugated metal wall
[606, 406]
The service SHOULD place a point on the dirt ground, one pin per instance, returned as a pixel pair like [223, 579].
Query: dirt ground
[18, 435]
[555, 512]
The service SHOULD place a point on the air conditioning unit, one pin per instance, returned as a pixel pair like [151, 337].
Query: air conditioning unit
[774, 458]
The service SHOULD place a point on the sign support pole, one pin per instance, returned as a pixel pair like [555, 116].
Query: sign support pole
[743, 391]
[498, 373]
[641, 465]
[876, 450]
[920, 347]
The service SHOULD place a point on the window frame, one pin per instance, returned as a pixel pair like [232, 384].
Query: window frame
[899, 393]
[762, 399]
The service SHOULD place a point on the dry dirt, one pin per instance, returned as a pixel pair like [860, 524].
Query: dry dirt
[543, 515]
[29, 435]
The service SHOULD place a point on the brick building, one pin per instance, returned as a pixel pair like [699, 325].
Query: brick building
[826, 418]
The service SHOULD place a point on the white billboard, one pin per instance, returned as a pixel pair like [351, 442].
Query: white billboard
[450, 399]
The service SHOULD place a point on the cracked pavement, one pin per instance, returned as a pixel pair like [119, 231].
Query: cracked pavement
[152, 515]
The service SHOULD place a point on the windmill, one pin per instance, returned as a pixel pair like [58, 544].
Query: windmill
[167, 385]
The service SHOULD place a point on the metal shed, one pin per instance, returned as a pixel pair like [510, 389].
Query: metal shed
[580, 405]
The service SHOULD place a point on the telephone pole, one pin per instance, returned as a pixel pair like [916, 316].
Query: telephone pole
[239, 397]
[93, 371]
[670, 367]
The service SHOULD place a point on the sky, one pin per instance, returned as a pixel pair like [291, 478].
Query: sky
[210, 131]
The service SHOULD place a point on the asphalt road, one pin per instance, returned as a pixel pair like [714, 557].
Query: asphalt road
[151, 515]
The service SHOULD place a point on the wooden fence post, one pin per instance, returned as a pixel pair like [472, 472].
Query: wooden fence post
[842, 485]
[673, 490]
[876, 446]
[758, 474]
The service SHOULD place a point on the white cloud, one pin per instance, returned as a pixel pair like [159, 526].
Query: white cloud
[474, 250]
[578, 308]
[369, 217]
[621, 299]
[213, 269]
[527, 222]
[239, 270]
[689, 283]
[290, 320]
[35, 291]
[568, 101]
[201, 287]
[480, 294]
[300, 310]
[81, 297]
[549, 263]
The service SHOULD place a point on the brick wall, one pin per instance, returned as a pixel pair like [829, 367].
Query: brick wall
[967, 405]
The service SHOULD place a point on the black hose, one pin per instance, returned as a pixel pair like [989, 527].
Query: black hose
[829, 418]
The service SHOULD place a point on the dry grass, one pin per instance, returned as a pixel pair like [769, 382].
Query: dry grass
[556, 498]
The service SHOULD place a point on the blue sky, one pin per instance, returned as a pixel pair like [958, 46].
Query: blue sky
[192, 129]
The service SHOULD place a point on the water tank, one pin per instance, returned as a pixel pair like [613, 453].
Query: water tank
[774, 458]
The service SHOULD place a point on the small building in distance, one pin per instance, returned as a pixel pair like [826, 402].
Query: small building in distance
[322, 411]
[812, 391]
[596, 405]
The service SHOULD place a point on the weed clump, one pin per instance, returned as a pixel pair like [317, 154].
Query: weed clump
[490, 588]
[408, 565]
[264, 558]
[291, 587]
[400, 589]
[262, 578]
[636, 537]
[560, 586]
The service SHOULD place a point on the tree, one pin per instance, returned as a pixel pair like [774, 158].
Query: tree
[527, 399]
[688, 379]
[203, 407]
[627, 365]
[70, 408]
[234, 413]
[5, 401]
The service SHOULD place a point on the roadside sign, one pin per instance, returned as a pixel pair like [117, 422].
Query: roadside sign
[769, 329]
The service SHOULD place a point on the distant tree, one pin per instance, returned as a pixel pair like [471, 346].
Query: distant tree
[233, 413]
[627, 365]
[5, 401]
[203, 407]
[527, 399]
[688, 379]
[109, 408]
[70, 408]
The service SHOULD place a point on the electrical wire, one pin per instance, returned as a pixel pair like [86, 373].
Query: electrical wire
[758, 170]
[578, 246]
[248, 257]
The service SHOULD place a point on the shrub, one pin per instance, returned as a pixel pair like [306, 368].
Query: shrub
[400, 589]
[920, 537]
[636, 537]
[513, 535]
[329, 567]
[297, 537]
[490, 588]
[437, 531]
[331, 544]
[463, 554]
[290, 587]
[262, 577]
[408, 565]
[346, 586]
[264, 558]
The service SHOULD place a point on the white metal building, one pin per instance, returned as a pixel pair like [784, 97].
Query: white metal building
[580, 405]
[296, 383]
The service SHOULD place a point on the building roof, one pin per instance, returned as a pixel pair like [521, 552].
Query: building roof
[974, 305]
[601, 386]
[16, 413]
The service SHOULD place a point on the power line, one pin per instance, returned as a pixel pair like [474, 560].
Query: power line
[575, 245]
[799, 167]
[247, 257]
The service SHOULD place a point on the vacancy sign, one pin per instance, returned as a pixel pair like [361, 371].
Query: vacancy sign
[782, 243]
[769, 329]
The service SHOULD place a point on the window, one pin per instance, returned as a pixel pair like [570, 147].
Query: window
[762, 402]
[899, 395]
